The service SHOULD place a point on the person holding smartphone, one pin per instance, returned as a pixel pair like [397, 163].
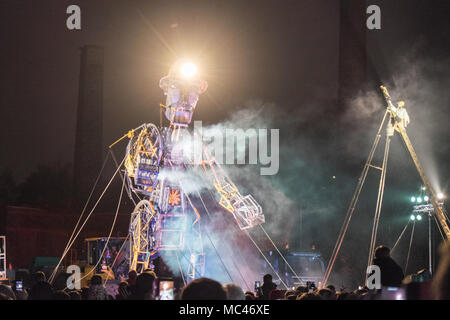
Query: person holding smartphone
[19, 290]
[266, 288]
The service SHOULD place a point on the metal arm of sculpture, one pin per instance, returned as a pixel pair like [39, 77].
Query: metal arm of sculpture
[246, 211]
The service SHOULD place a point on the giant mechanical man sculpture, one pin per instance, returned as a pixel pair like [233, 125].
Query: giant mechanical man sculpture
[165, 219]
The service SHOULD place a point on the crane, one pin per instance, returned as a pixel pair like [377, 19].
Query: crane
[398, 120]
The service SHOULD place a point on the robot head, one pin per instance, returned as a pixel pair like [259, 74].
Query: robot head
[182, 86]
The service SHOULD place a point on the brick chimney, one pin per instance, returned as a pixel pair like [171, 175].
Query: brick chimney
[88, 143]
[352, 50]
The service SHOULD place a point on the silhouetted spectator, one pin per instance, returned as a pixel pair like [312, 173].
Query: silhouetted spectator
[276, 294]
[8, 291]
[60, 281]
[36, 277]
[326, 294]
[341, 295]
[203, 289]
[333, 291]
[391, 273]
[267, 286]
[96, 290]
[249, 295]
[41, 291]
[361, 293]
[132, 276]
[5, 297]
[84, 293]
[39, 276]
[308, 296]
[21, 295]
[144, 287]
[290, 295]
[234, 292]
[300, 290]
[123, 290]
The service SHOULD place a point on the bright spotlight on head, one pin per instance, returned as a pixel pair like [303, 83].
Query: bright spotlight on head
[419, 217]
[188, 69]
[413, 199]
[412, 217]
[419, 200]
[426, 198]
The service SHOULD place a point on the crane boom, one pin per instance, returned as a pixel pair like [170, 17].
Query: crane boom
[437, 208]
[401, 119]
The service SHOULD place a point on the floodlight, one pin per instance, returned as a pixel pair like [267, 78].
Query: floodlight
[413, 199]
[412, 217]
[419, 217]
[188, 69]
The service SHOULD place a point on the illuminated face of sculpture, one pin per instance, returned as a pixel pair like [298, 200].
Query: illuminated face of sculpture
[182, 88]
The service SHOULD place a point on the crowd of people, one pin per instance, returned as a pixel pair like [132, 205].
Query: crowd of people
[142, 287]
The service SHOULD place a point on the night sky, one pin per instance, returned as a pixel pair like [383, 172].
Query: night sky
[281, 53]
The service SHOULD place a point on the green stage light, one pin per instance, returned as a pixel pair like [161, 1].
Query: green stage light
[413, 199]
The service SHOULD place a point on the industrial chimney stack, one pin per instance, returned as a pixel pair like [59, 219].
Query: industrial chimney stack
[88, 143]
[352, 51]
